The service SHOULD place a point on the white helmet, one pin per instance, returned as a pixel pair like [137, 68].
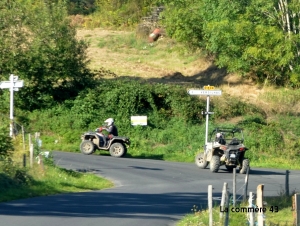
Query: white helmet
[109, 121]
[219, 135]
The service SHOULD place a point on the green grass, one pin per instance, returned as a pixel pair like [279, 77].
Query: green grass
[282, 217]
[18, 183]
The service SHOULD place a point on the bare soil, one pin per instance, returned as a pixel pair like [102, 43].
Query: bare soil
[164, 68]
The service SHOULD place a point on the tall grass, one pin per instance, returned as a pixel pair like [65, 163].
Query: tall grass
[18, 181]
[282, 217]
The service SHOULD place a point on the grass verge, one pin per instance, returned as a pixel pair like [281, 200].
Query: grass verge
[46, 179]
[278, 213]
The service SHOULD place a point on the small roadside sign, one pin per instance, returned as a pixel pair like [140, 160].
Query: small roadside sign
[205, 92]
[208, 87]
[138, 120]
[9, 84]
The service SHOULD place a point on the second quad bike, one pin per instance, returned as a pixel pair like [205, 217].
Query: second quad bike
[92, 141]
[224, 148]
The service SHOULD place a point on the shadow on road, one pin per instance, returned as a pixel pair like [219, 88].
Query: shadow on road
[108, 204]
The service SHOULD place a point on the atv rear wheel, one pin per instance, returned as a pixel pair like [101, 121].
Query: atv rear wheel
[214, 164]
[245, 166]
[87, 147]
[201, 161]
[117, 150]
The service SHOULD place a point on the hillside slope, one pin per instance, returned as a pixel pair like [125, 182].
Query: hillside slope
[120, 53]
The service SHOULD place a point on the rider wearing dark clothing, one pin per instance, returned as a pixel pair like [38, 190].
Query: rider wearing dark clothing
[112, 130]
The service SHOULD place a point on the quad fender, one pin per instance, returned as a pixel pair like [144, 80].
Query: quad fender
[208, 156]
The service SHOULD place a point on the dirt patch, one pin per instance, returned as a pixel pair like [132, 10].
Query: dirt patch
[161, 67]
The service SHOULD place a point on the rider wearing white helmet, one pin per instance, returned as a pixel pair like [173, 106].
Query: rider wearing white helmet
[110, 127]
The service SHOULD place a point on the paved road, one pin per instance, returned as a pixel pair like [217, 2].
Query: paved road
[146, 192]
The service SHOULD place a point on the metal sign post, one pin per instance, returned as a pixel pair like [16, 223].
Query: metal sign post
[13, 85]
[208, 91]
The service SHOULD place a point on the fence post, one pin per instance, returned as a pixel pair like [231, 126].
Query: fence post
[250, 212]
[41, 162]
[287, 190]
[24, 160]
[296, 202]
[259, 203]
[227, 208]
[246, 185]
[23, 136]
[31, 155]
[29, 139]
[222, 207]
[210, 205]
[234, 186]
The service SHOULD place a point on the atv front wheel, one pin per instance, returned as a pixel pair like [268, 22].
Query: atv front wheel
[215, 164]
[201, 161]
[125, 151]
[245, 166]
[117, 150]
[87, 147]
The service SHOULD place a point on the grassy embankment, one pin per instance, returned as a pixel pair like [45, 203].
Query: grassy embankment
[19, 182]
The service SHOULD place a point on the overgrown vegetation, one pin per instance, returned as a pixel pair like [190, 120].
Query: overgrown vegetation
[17, 181]
[176, 127]
[255, 38]
[282, 216]
[39, 45]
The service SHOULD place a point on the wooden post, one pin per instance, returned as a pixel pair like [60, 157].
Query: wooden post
[246, 185]
[234, 186]
[23, 136]
[251, 213]
[259, 203]
[210, 205]
[29, 140]
[40, 161]
[31, 155]
[297, 209]
[227, 207]
[287, 190]
[24, 160]
[294, 209]
[222, 205]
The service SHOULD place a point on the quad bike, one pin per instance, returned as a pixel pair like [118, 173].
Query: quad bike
[92, 141]
[227, 149]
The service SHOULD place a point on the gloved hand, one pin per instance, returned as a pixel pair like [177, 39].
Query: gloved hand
[99, 130]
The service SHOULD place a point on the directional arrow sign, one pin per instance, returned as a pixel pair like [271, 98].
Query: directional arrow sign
[205, 92]
[8, 84]
[13, 85]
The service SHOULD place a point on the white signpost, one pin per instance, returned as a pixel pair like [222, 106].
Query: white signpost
[13, 85]
[206, 91]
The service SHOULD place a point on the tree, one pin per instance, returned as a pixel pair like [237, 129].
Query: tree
[256, 38]
[39, 44]
[84, 7]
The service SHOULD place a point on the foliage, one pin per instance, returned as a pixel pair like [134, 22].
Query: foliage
[200, 216]
[6, 145]
[20, 182]
[176, 127]
[247, 37]
[39, 45]
[83, 7]
[116, 13]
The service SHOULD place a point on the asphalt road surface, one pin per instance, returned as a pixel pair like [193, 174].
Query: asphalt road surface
[146, 193]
